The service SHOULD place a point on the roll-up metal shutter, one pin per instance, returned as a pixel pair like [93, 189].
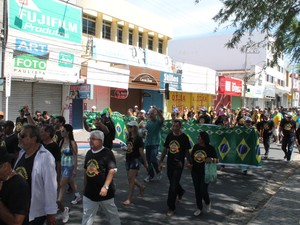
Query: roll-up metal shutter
[47, 97]
[21, 94]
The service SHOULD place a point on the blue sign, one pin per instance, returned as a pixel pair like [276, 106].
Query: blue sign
[173, 79]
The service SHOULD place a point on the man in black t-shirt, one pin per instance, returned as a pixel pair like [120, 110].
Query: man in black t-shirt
[177, 147]
[11, 139]
[266, 131]
[106, 125]
[21, 120]
[287, 130]
[14, 193]
[99, 169]
[204, 118]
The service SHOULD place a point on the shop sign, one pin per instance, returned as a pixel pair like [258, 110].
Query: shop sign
[230, 86]
[80, 91]
[174, 81]
[145, 79]
[120, 93]
[56, 19]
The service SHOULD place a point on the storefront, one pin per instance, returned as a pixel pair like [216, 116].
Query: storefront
[40, 63]
[198, 88]
[229, 93]
[143, 91]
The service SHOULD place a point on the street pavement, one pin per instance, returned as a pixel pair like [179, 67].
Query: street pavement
[269, 195]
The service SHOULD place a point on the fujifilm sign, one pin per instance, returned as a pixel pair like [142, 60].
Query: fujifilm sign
[54, 19]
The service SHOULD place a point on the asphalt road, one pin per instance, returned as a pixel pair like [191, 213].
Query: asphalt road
[232, 194]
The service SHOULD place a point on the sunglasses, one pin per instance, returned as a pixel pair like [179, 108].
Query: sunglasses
[130, 126]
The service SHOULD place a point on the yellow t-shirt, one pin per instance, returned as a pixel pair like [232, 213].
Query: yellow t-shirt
[277, 119]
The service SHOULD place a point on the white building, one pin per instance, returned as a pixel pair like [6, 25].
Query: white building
[267, 87]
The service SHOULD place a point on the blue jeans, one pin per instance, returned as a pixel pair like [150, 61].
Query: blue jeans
[201, 189]
[175, 189]
[289, 143]
[151, 154]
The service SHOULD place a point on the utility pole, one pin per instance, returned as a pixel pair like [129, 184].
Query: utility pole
[249, 48]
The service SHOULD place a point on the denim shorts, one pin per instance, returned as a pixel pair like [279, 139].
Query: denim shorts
[133, 164]
[67, 171]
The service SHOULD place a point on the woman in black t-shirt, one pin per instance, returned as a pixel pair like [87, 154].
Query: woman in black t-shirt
[134, 151]
[202, 153]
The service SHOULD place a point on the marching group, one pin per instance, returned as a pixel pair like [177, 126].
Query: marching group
[38, 159]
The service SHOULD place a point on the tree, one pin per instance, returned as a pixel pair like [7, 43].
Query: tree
[278, 20]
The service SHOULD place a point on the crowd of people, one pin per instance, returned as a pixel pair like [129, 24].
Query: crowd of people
[38, 159]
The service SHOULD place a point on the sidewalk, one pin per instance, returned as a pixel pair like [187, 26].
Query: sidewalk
[284, 206]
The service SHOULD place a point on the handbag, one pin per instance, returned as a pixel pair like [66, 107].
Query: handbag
[210, 173]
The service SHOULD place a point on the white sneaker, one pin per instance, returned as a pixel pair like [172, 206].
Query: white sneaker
[197, 212]
[76, 200]
[208, 207]
[148, 179]
[65, 215]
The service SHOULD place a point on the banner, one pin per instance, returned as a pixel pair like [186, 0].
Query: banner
[237, 146]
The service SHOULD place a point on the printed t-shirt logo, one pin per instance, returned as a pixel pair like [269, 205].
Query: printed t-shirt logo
[288, 126]
[199, 156]
[92, 168]
[174, 147]
[22, 172]
[266, 126]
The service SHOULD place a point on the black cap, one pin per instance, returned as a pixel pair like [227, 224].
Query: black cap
[4, 156]
[9, 123]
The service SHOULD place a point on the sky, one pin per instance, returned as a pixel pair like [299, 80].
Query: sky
[188, 19]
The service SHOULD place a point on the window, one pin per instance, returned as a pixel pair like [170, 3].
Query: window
[89, 25]
[272, 79]
[106, 25]
[140, 39]
[120, 33]
[130, 37]
[150, 42]
[160, 46]
[268, 77]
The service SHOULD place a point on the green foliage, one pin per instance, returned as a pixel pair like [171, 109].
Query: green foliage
[276, 19]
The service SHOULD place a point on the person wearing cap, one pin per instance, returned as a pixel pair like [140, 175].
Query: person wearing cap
[21, 120]
[14, 193]
[222, 120]
[11, 139]
[37, 166]
[99, 189]
[287, 130]
[204, 118]
[135, 110]
[154, 126]
[266, 131]
[177, 147]
[134, 151]
[247, 121]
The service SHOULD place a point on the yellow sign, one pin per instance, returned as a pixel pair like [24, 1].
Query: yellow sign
[180, 100]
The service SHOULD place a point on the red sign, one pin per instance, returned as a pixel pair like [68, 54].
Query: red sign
[120, 93]
[230, 86]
